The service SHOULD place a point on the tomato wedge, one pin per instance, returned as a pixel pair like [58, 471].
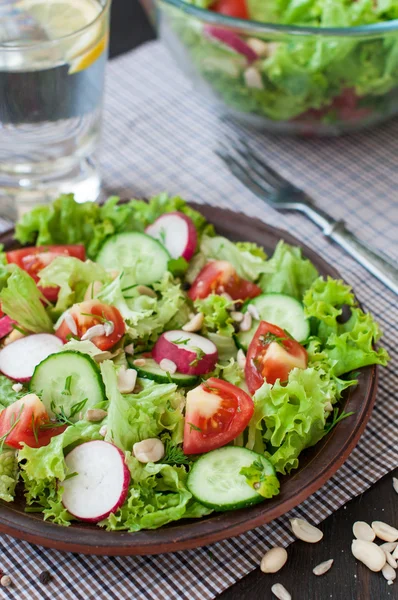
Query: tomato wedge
[272, 354]
[231, 8]
[220, 276]
[87, 315]
[216, 413]
[34, 258]
[27, 422]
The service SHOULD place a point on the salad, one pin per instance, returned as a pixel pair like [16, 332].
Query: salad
[285, 77]
[152, 370]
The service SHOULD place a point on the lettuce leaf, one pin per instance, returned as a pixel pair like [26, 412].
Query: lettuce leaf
[8, 474]
[68, 222]
[291, 417]
[73, 276]
[287, 272]
[7, 394]
[22, 301]
[350, 345]
[135, 417]
[248, 259]
[217, 316]
[157, 495]
[147, 317]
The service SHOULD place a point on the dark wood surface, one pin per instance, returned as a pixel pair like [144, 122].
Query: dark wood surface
[347, 580]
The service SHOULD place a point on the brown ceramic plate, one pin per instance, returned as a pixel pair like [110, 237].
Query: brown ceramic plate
[317, 464]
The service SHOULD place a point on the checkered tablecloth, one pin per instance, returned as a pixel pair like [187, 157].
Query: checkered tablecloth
[158, 135]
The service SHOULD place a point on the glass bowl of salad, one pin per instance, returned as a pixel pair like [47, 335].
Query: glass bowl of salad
[321, 67]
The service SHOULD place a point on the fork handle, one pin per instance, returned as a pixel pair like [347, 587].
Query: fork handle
[366, 256]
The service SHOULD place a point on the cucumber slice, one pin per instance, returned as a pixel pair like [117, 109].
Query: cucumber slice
[281, 310]
[64, 380]
[142, 256]
[215, 478]
[151, 370]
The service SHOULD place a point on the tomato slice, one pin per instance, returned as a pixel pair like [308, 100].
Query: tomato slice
[34, 258]
[26, 421]
[231, 8]
[272, 354]
[220, 276]
[88, 314]
[216, 413]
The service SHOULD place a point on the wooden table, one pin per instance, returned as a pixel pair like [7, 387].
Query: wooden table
[347, 580]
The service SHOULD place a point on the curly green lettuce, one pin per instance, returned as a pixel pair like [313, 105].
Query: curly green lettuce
[349, 345]
[65, 221]
[157, 495]
[288, 272]
[22, 301]
[73, 277]
[8, 474]
[248, 259]
[135, 417]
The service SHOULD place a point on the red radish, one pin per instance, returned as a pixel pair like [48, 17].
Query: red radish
[19, 359]
[176, 232]
[6, 325]
[101, 484]
[229, 38]
[192, 353]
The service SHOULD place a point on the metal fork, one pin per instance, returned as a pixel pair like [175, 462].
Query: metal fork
[276, 191]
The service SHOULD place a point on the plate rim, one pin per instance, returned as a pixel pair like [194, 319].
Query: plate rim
[193, 534]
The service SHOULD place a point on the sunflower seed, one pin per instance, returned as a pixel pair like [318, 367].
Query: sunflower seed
[384, 531]
[273, 560]
[389, 573]
[391, 561]
[280, 592]
[253, 78]
[395, 484]
[17, 387]
[363, 531]
[103, 430]
[92, 332]
[323, 567]
[246, 322]
[253, 311]
[369, 554]
[144, 290]
[305, 531]
[389, 546]
[168, 366]
[71, 323]
[95, 414]
[258, 46]
[126, 380]
[195, 324]
[241, 359]
[139, 362]
[129, 349]
[237, 316]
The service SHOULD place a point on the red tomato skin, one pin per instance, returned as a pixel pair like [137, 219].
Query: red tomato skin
[84, 322]
[271, 370]
[220, 276]
[34, 258]
[231, 8]
[230, 420]
[25, 412]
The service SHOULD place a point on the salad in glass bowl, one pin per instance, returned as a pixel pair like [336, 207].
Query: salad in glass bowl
[152, 370]
[321, 67]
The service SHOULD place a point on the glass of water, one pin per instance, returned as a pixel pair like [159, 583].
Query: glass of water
[52, 65]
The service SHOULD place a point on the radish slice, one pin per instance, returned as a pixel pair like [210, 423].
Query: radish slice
[192, 353]
[101, 484]
[6, 325]
[229, 38]
[176, 232]
[19, 359]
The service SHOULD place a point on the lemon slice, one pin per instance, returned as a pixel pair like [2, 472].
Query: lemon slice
[61, 17]
[88, 58]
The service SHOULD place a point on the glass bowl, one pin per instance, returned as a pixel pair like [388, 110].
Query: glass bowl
[284, 79]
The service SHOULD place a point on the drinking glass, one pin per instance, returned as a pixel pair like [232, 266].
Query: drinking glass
[52, 66]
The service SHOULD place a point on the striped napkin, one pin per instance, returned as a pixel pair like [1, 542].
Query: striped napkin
[159, 135]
